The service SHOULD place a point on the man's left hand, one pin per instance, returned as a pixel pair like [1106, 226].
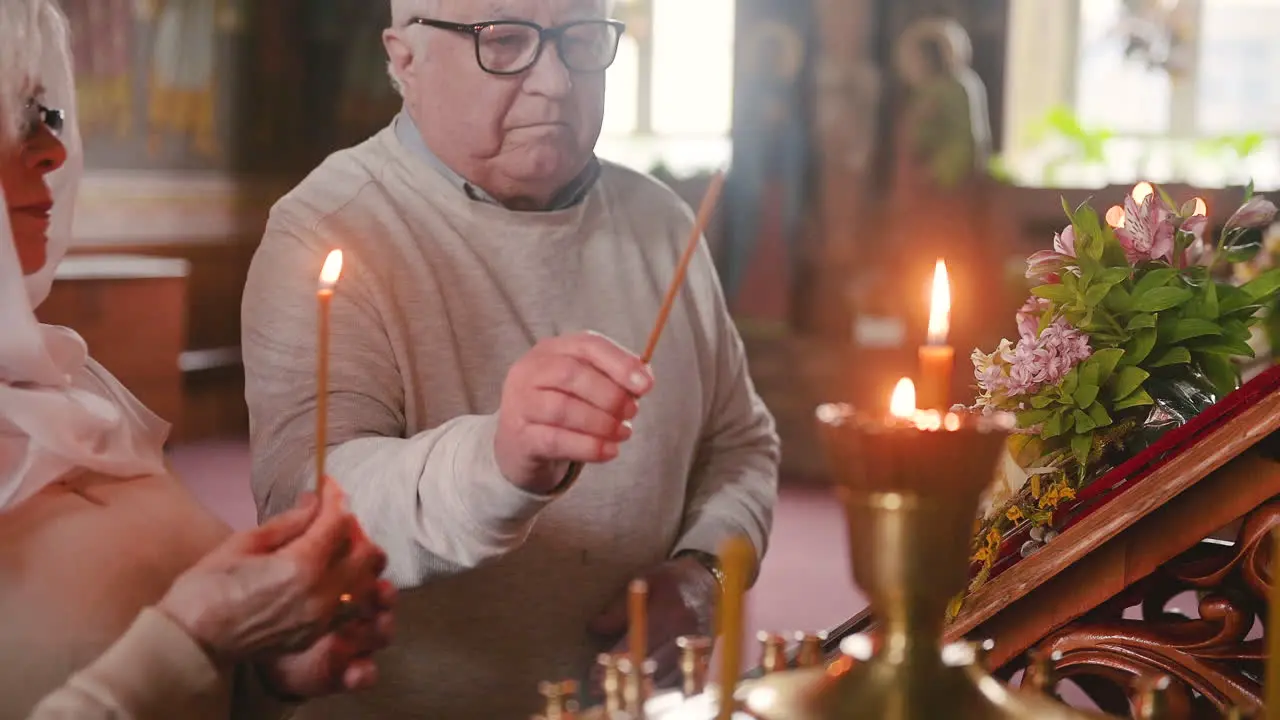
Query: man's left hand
[682, 599]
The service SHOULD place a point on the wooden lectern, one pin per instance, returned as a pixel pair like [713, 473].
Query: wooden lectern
[1192, 514]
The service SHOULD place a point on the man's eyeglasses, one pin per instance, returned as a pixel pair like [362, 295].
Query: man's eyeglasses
[35, 114]
[509, 47]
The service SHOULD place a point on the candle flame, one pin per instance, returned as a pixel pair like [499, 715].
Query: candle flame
[951, 422]
[903, 402]
[1142, 191]
[1201, 208]
[940, 306]
[331, 271]
[1115, 216]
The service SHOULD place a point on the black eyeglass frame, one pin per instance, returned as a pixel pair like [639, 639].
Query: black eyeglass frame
[544, 34]
[49, 117]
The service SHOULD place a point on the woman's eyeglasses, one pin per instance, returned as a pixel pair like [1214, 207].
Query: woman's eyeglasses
[35, 115]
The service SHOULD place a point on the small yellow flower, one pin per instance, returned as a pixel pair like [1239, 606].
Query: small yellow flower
[1067, 493]
[1014, 514]
[981, 555]
[953, 607]
[993, 538]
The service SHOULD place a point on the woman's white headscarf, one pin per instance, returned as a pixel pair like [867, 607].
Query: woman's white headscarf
[59, 410]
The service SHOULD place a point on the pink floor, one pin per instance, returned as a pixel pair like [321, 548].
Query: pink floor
[804, 585]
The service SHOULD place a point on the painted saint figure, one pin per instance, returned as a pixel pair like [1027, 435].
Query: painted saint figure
[102, 46]
[183, 87]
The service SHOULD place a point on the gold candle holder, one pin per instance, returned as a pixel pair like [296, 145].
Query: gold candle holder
[910, 485]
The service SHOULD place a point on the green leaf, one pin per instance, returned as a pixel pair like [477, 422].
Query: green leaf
[1220, 370]
[1248, 192]
[1173, 356]
[1264, 286]
[1126, 381]
[1085, 395]
[1226, 347]
[1205, 305]
[1081, 445]
[1111, 276]
[1153, 279]
[1188, 328]
[1143, 320]
[1099, 415]
[1052, 427]
[1084, 423]
[1164, 195]
[1054, 293]
[1094, 295]
[1161, 298]
[1113, 252]
[1039, 402]
[1232, 299]
[1031, 418]
[1106, 362]
[1070, 382]
[1071, 214]
[1118, 300]
[1139, 398]
[1137, 349]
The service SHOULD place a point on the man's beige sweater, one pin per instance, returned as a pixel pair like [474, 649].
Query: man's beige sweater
[440, 295]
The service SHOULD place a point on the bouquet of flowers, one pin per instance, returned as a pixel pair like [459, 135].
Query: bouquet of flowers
[1132, 328]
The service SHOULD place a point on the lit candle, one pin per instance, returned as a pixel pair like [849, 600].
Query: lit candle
[902, 403]
[937, 358]
[324, 296]
[1142, 191]
[1201, 208]
[1272, 687]
[736, 558]
[1115, 216]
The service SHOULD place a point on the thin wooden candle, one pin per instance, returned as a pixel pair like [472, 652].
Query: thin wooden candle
[937, 358]
[709, 202]
[638, 638]
[324, 298]
[736, 558]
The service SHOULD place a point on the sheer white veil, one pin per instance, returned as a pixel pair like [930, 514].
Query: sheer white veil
[59, 410]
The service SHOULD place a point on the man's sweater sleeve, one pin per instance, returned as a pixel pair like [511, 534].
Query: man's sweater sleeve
[155, 671]
[436, 502]
[733, 484]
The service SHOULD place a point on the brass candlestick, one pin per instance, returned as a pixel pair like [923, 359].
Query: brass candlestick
[910, 486]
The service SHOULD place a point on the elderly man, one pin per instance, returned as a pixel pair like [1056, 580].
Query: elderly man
[498, 279]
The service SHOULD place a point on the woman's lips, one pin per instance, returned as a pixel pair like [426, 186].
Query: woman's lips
[37, 210]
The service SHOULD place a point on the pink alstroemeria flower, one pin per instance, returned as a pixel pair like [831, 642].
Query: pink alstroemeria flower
[1258, 212]
[1197, 249]
[1148, 230]
[1047, 265]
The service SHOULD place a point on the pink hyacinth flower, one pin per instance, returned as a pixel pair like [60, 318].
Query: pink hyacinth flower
[1148, 230]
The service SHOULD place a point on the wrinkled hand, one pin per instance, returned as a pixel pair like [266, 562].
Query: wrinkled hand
[569, 399]
[682, 598]
[338, 662]
[276, 589]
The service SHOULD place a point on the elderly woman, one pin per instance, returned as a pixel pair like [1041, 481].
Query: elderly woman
[120, 596]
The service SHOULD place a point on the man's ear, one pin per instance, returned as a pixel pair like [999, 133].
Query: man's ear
[400, 54]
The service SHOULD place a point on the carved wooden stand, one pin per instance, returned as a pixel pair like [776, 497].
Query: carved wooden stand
[1210, 658]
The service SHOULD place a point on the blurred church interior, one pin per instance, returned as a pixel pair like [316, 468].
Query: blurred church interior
[842, 188]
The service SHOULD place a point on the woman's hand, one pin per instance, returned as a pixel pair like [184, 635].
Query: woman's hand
[278, 589]
[338, 662]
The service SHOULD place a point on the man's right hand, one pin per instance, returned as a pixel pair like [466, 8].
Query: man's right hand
[569, 399]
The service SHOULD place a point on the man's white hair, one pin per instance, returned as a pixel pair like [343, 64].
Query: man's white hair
[25, 27]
